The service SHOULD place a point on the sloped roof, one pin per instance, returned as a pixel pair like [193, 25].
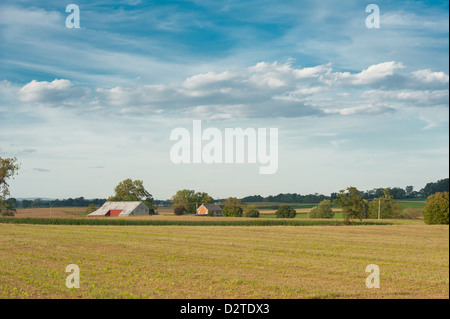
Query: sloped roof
[126, 207]
[212, 207]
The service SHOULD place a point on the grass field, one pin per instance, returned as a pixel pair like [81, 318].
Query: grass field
[224, 261]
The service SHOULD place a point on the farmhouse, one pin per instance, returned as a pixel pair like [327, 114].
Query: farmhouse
[121, 209]
[214, 209]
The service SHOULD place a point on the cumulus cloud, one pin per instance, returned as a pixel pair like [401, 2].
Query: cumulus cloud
[429, 77]
[262, 90]
[57, 91]
[377, 72]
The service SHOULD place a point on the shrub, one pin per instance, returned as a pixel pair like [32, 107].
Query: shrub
[436, 209]
[323, 210]
[180, 210]
[285, 211]
[6, 209]
[252, 212]
[232, 211]
[411, 213]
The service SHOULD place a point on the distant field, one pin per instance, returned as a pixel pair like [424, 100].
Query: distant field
[267, 212]
[54, 212]
[224, 262]
[414, 204]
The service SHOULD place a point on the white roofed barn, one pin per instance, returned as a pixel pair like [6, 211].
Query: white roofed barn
[121, 209]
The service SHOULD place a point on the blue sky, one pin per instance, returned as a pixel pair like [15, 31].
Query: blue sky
[83, 109]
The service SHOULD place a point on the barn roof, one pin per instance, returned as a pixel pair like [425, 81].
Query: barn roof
[126, 207]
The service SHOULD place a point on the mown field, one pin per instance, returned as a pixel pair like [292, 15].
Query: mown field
[224, 261]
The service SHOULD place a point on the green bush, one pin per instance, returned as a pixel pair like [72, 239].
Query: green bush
[323, 210]
[180, 210]
[436, 209]
[285, 211]
[232, 211]
[6, 209]
[252, 212]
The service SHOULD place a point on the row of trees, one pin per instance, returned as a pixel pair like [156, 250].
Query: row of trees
[396, 192]
[354, 206]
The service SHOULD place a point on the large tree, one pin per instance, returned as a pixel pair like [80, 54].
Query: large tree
[386, 206]
[8, 168]
[132, 191]
[352, 203]
[436, 209]
[233, 207]
[190, 199]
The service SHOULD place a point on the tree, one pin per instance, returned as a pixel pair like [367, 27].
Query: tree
[437, 208]
[8, 168]
[233, 207]
[285, 211]
[233, 201]
[388, 208]
[232, 211]
[323, 210]
[352, 203]
[132, 191]
[441, 185]
[190, 199]
[409, 191]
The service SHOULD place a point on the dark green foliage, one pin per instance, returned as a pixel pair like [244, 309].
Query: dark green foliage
[180, 210]
[252, 212]
[6, 208]
[436, 209]
[388, 208]
[232, 211]
[352, 203]
[440, 186]
[285, 211]
[323, 210]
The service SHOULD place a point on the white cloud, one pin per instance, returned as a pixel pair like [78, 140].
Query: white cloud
[427, 76]
[364, 109]
[57, 91]
[410, 98]
[263, 90]
[376, 72]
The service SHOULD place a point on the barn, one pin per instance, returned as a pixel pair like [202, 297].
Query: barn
[214, 209]
[121, 209]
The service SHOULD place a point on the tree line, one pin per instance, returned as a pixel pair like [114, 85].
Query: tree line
[408, 192]
[191, 198]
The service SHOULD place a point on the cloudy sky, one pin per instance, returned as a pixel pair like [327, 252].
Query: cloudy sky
[83, 109]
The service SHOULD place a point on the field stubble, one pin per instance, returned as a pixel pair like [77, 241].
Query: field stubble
[224, 261]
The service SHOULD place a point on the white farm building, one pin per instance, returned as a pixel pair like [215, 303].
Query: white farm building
[121, 209]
